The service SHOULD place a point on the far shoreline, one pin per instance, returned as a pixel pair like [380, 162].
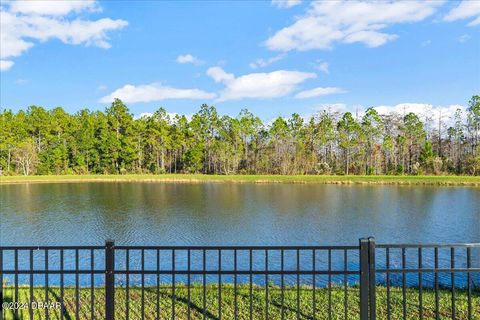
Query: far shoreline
[204, 178]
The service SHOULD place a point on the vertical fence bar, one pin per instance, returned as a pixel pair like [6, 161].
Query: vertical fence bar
[127, 284]
[364, 283]
[452, 279]
[235, 307]
[219, 284]
[173, 284]
[314, 268]
[158, 284]
[387, 257]
[1, 283]
[92, 284]
[298, 284]
[204, 261]
[77, 285]
[16, 281]
[437, 314]
[420, 284]
[142, 276]
[372, 278]
[31, 283]
[469, 286]
[251, 292]
[109, 280]
[63, 307]
[47, 314]
[329, 284]
[404, 283]
[266, 284]
[345, 284]
[282, 284]
[188, 284]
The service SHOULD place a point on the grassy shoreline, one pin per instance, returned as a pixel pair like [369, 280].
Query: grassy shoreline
[201, 178]
[242, 295]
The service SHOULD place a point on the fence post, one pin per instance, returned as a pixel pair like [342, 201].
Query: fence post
[372, 278]
[364, 278]
[109, 280]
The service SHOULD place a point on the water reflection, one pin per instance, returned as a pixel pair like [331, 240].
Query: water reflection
[207, 214]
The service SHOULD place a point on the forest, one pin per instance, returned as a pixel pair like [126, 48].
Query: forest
[37, 141]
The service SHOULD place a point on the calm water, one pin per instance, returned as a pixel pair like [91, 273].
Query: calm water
[235, 214]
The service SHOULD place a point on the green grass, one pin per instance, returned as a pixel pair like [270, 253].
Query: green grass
[193, 178]
[290, 307]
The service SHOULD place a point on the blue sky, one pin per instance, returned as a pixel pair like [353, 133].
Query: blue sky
[274, 58]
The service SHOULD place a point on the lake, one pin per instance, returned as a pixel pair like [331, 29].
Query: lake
[237, 214]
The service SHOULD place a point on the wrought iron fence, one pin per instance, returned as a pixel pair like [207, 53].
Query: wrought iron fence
[366, 281]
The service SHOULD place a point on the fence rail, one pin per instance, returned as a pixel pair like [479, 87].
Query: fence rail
[366, 281]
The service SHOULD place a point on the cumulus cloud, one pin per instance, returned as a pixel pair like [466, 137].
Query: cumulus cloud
[260, 63]
[282, 4]
[428, 113]
[5, 65]
[257, 85]
[60, 8]
[328, 22]
[323, 66]
[219, 75]
[188, 58]
[317, 92]
[465, 10]
[154, 92]
[26, 23]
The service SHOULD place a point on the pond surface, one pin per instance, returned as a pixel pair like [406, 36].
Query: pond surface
[235, 214]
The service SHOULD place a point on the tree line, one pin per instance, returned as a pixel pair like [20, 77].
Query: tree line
[40, 142]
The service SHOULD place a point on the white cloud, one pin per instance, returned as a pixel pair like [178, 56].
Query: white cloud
[466, 9]
[317, 92]
[423, 110]
[339, 107]
[330, 22]
[154, 92]
[5, 65]
[285, 3]
[188, 58]
[322, 66]
[60, 8]
[258, 85]
[219, 75]
[260, 63]
[463, 38]
[426, 43]
[26, 23]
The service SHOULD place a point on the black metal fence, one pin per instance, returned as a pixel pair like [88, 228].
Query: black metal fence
[366, 281]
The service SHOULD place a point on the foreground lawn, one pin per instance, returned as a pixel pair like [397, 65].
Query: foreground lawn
[290, 307]
[403, 180]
